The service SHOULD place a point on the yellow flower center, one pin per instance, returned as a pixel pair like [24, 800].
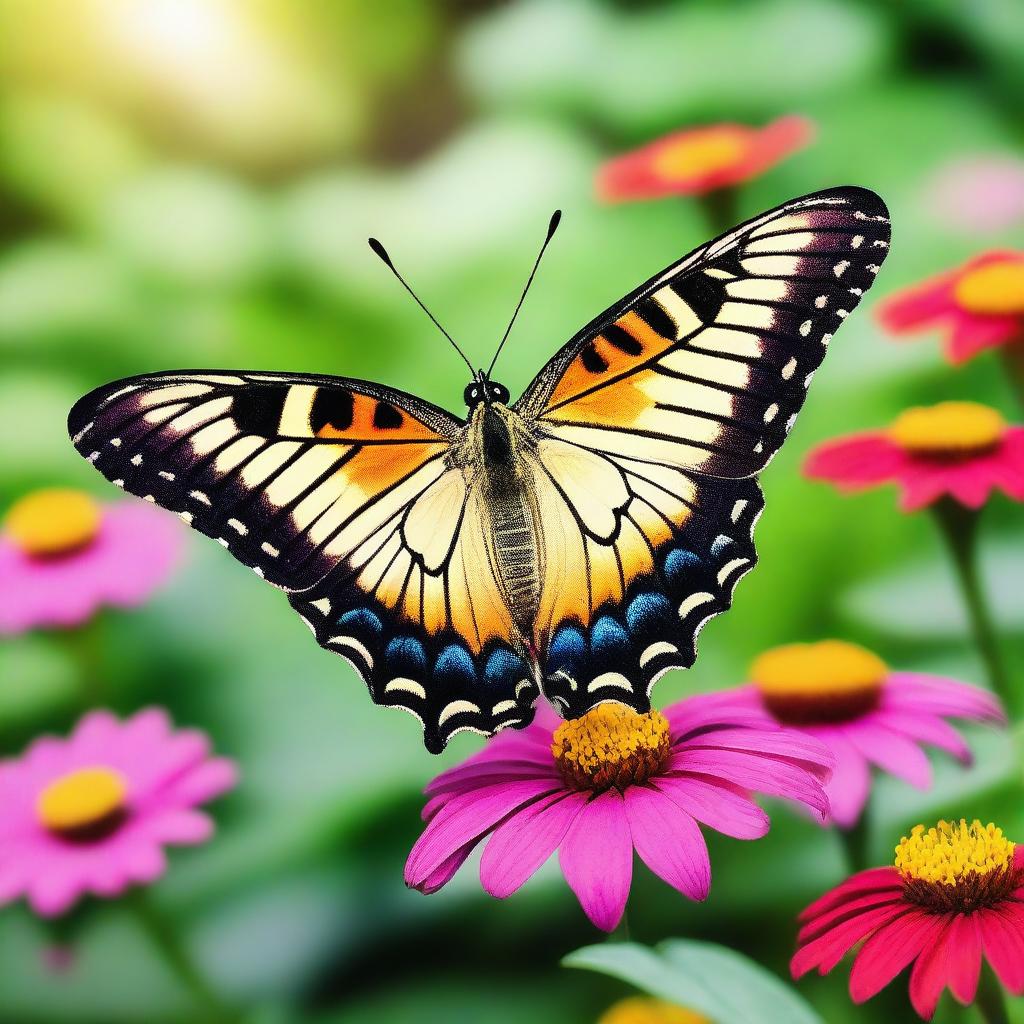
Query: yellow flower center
[699, 154]
[957, 866]
[611, 745]
[948, 430]
[52, 522]
[829, 681]
[994, 289]
[82, 802]
[644, 1010]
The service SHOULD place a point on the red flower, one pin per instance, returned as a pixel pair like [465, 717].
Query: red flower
[962, 449]
[700, 160]
[954, 898]
[980, 305]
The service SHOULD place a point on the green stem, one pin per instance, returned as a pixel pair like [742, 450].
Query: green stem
[989, 1001]
[959, 527]
[86, 645]
[856, 845]
[721, 207]
[165, 937]
[1013, 361]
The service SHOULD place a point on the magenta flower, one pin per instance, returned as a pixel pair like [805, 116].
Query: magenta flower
[847, 698]
[600, 786]
[92, 813]
[63, 556]
[961, 449]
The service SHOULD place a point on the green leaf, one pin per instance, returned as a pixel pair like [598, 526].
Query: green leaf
[723, 985]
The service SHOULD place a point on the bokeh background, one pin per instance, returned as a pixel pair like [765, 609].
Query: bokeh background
[191, 183]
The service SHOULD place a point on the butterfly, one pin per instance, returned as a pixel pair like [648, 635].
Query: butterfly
[570, 544]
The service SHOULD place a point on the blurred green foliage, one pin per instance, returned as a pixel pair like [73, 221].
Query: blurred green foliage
[191, 183]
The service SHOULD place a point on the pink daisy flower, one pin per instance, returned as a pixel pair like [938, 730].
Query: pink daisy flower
[92, 813]
[954, 899]
[700, 160]
[847, 697]
[598, 787]
[62, 556]
[961, 449]
[979, 305]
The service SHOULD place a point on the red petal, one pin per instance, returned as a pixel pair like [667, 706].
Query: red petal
[827, 950]
[931, 973]
[964, 952]
[889, 950]
[864, 882]
[1002, 936]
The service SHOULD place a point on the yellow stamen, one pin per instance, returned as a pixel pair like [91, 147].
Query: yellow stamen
[949, 429]
[52, 522]
[699, 154]
[831, 680]
[644, 1010]
[611, 745]
[994, 289]
[950, 851]
[81, 800]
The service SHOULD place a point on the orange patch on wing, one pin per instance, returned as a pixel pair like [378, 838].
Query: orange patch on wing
[372, 474]
[364, 410]
[607, 360]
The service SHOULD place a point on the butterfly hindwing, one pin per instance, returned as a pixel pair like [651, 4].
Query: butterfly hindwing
[339, 492]
[673, 401]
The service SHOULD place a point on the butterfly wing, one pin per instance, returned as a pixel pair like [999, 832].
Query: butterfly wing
[341, 493]
[656, 418]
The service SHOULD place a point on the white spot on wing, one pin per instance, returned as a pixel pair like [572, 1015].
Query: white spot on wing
[404, 685]
[656, 649]
[457, 707]
[355, 645]
[694, 601]
[616, 679]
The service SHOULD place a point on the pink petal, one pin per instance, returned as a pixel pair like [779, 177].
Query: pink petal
[1002, 936]
[464, 819]
[716, 805]
[52, 892]
[471, 775]
[856, 462]
[892, 752]
[181, 828]
[922, 306]
[972, 333]
[915, 693]
[445, 872]
[204, 782]
[669, 841]
[825, 951]
[788, 743]
[964, 953]
[860, 884]
[850, 784]
[523, 842]
[925, 728]
[740, 706]
[930, 974]
[889, 951]
[596, 857]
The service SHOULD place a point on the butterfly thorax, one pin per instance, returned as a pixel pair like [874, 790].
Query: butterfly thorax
[499, 449]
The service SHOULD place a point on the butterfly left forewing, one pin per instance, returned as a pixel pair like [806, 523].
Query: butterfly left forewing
[674, 400]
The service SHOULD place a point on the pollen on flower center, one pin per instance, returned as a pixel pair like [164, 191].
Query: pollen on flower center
[699, 154]
[949, 429]
[53, 522]
[829, 681]
[82, 801]
[956, 865]
[996, 289]
[611, 745]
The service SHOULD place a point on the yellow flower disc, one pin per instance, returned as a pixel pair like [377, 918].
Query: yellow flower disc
[994, 289]
[949, 851]
[949, 429]
[611, 745]
[53, 521]
[645, 1010]
[81, 799]
[699, 154]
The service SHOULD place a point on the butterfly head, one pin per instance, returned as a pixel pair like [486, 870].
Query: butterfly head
[484, 390]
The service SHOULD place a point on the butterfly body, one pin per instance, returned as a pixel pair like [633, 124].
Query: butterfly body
[570, 543]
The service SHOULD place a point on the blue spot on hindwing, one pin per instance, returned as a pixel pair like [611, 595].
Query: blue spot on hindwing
[406, 656]
[721, 543]
[504, 667]
[568, 650]
[681, 563]
[455, 665]
[362, 619]
[647, 611]
[608, 639]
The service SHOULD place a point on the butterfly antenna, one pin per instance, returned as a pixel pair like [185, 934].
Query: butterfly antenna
[383, 254]
[552, 227]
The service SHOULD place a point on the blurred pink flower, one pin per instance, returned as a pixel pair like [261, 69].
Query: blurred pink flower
[600, 786]
[63, 556]
[847, 697]
[695, 161]
[961, 449]
[978, 194]
[979, 305]
[92, 813]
